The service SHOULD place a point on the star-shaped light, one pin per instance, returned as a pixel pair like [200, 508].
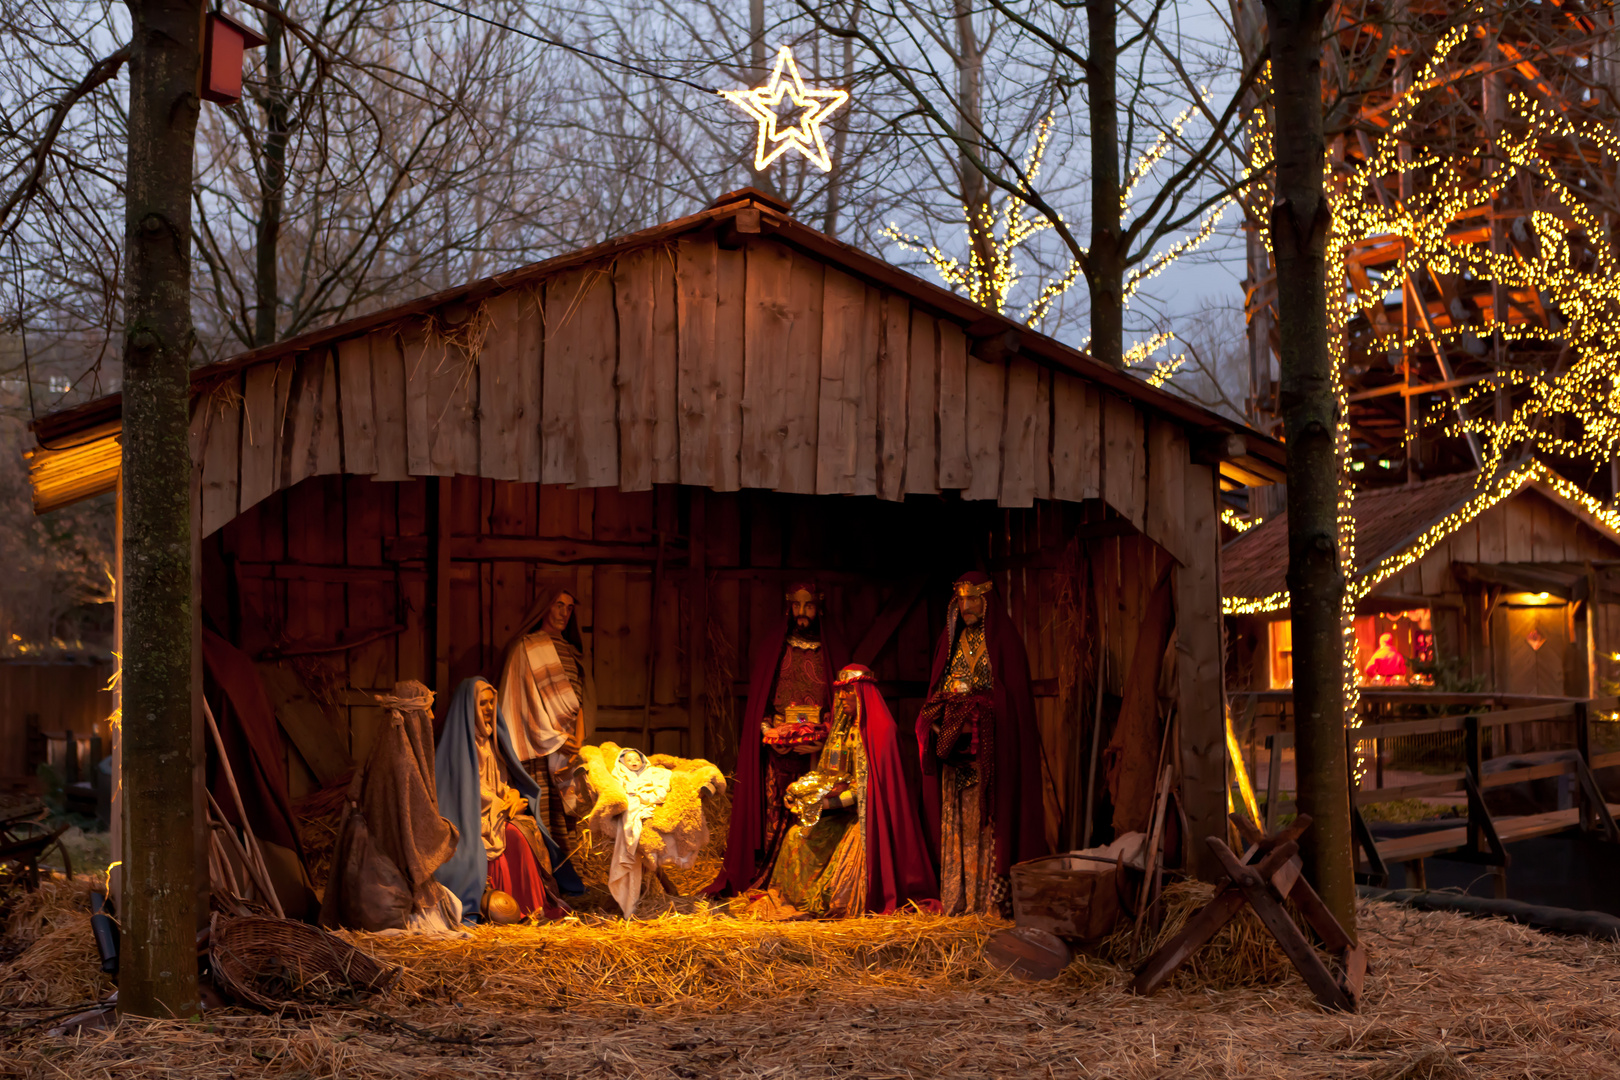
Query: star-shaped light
[804, 136]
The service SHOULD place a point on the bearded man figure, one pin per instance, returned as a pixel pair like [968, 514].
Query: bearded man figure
[549, 700]
[784, 725]
[976, 734]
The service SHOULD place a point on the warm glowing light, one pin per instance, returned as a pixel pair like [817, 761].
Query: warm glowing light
[1488, 491]
[804, 137]
[1230, 517]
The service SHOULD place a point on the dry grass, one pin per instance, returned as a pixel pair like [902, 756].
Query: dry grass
[705, 995]
[58, 965]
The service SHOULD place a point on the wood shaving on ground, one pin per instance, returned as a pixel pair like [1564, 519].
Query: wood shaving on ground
[707, 995]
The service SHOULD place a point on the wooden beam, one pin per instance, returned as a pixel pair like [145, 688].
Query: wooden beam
[439, 582]
[1200, 687]
[564, 551]
[887, 622]
[697, 629]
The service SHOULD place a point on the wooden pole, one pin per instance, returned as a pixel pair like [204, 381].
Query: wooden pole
[158, 966]
[1097, 711]
[697, 630]
[253, 855]
[652, 647]
[440, 507]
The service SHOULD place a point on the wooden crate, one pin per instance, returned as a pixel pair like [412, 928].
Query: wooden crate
[1073, 896]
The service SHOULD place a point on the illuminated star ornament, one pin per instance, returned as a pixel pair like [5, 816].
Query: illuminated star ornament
[804, 136]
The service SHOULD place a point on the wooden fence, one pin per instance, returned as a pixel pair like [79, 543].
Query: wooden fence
[1483, 839]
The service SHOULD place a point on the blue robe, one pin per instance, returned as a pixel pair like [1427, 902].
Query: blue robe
[455, 770]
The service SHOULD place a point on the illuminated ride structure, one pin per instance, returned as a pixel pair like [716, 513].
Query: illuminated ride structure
[1473, 177]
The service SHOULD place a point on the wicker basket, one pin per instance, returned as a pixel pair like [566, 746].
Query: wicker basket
[283, 965]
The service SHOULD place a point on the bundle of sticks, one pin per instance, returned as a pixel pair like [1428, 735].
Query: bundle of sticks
[228, 850]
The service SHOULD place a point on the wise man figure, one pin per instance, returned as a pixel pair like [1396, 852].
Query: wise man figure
[784, 725]
[549, 700]
[976, 733]
[857, 845]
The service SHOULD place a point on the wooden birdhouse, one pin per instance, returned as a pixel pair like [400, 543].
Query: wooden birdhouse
[224, 42]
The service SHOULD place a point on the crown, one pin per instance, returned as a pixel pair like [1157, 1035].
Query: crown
[965, 589]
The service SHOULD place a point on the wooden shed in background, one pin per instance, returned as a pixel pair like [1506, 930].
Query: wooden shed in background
[675, 425]
[1507, 584]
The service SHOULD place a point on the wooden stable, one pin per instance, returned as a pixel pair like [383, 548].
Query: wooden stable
[675, 425]
[1510, 587]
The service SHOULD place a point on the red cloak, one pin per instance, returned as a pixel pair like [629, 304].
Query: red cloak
[898, 867]
[747, 831]
[1016, 805]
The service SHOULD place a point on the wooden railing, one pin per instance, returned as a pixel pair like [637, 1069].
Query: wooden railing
[1482, 840]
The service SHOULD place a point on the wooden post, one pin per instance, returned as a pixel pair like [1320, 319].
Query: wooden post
[440, 508]
[1201, 686]
[1583, 747]
[697, 630]
[652, 648]
[116, 842]
[1474, 762]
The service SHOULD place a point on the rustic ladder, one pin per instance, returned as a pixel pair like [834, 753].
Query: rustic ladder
[1264, 885]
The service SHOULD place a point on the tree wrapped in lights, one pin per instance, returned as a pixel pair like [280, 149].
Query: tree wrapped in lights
[1472, 168]
[1000, 227]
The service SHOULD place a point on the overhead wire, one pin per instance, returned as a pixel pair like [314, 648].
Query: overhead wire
[575, 49]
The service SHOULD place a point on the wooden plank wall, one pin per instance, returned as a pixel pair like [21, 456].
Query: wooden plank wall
[688, 363]
[337, 559]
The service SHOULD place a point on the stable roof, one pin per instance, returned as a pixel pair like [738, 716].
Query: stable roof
[732, 348]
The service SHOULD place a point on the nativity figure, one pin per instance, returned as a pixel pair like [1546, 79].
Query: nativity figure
[485, 792]
[783, 727]
[980, 751]
[394, 840]
[549, 700]
[651, 808]
[858, 845]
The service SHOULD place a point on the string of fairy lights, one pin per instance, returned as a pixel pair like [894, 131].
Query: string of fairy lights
[1237, 521]
[1502, 485]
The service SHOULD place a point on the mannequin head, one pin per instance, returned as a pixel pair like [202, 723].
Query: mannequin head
[555, 620]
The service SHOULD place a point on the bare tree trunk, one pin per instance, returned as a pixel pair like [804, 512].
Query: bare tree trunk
[835, 183]
[970, 128]
[756, 57]
[1300, 219]
[158, 968]
[1105, 261]
[273, 186]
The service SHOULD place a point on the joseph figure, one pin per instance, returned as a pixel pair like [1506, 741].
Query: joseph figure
[979, 744]
[784, 725]
[549, 702]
